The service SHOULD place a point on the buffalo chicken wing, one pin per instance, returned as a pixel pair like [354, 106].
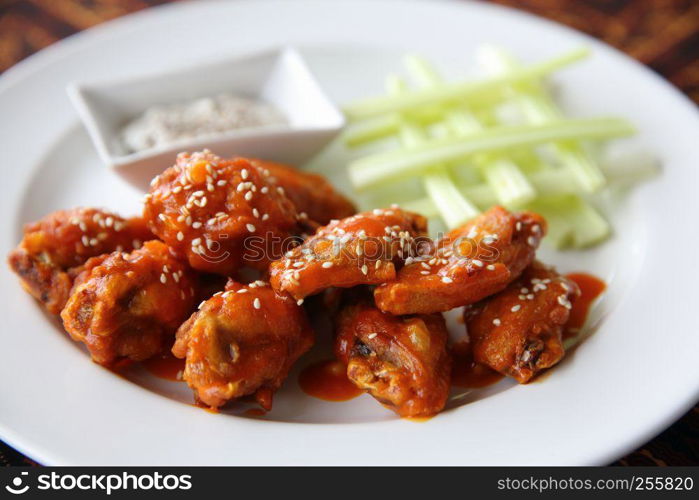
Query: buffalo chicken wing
[129, 305]
[220, 214]
[467, 265]
[518, 331]
[360, 250]
[53, 249]
[401, 361]
[242, 341]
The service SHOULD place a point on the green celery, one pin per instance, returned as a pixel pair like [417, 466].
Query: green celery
[508, 182]
[472, 91]
[382, 167]
[454, 208]
[537, 107]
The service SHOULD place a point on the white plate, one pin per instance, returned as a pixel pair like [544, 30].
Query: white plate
[632, 378]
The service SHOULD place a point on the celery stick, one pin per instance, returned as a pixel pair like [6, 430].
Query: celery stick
[453, 207]
[551, 184]
[508, 182]
[378, 168]
[371, 129]
[587, 225]
[538, 107]
[423, 206]
[472, 91]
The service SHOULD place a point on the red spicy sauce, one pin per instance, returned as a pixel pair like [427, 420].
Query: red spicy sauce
[254, 412]
[467, 373]
[591, 287]
[165, 366]
[328, 380]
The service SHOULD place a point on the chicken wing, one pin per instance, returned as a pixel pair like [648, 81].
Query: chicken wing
[53, 249]
[220, 214]
[311, 193]
[362, 249]
[467, 265]
[129, 305]
[518, 331]
[242, 341]
[401, 361]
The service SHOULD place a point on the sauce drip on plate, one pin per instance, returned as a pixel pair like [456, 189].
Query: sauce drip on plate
[468, 374]
[591, 287]
[165, 366]
[328, 380]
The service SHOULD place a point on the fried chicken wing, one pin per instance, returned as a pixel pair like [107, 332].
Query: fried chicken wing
[401, 361]
[311, 193]
[129, 305]
[467, 265]
[518, 331]
[220, 214]
[53, 249]
[242, 341]
[362, 249]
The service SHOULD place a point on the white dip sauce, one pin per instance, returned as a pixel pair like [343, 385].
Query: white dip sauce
[163, 125]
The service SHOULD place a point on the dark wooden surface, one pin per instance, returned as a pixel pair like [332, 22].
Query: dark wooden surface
[663, 34]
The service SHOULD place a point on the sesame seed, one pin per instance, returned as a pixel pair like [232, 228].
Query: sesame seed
[202, 304]
[162, 217]
[265, 217]
[496, 322]
[180, 236]
[256, 303]
[372, 335]
[490, 267]
[477, 263]
[248, 196]
[299, 302]
[425, 273]
[250, 227]
[244, 173]
[447, 279]
[163, 278]
[516, 308]
[327, 265]
[532, 241]
[365, 270]
[242, 290]
[196, 225]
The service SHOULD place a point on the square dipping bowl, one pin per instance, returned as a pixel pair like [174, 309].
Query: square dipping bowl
[278, 77]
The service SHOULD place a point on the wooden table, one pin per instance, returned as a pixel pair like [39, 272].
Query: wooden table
[663, 34]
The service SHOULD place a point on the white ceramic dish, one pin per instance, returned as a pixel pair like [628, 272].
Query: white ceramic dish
[279, 77]
[630, 380]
